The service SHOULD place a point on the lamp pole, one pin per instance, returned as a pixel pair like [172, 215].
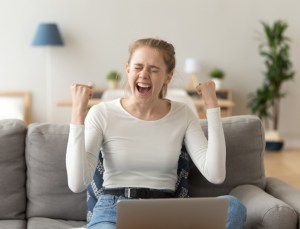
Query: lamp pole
[49, 85]
[48, 34]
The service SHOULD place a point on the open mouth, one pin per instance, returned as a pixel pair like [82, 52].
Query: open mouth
[143, 88]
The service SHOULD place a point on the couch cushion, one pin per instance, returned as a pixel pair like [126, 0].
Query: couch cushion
[47, 187]
[46, 223]
[12, 224]
[12, 169]
[244, 136]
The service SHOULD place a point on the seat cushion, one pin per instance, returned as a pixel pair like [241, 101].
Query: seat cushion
[46, 223]
[15, 224]
[12, 169]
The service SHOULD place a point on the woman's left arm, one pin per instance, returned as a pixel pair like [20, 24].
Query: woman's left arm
[209, 156]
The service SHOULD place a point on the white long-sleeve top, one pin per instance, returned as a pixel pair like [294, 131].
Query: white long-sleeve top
[139, 153]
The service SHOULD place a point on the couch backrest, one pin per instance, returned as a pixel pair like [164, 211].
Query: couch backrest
[12, 169]
[47, 187]
[244, 136]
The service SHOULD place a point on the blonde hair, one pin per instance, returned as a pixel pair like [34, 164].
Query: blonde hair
[167, 51]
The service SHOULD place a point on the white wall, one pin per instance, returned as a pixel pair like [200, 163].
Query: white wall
[97, 34]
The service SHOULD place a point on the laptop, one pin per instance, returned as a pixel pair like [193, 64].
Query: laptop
[174, 213]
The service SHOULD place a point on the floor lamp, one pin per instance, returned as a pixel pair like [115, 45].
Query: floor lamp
[47, 34]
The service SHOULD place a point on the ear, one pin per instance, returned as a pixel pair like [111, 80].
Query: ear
[169, 78]
[127, 68]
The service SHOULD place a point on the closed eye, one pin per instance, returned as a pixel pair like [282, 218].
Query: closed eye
[154, 69]
[137, 67]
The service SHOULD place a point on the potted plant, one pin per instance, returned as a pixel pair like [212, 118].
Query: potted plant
[217, 76]
[113, 78]
[265, 102]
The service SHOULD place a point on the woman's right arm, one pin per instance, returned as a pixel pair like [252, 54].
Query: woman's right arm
[83, 143]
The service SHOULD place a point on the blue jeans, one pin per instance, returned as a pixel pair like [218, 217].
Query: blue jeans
[237, 213]
[105, 211]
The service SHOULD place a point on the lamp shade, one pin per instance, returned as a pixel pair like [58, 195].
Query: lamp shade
[191, 66]
[47, 34]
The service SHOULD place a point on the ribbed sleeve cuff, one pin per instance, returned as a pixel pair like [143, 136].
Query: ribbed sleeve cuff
[213, 111]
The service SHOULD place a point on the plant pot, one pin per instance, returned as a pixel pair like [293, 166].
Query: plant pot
[113, 84]
[275, 146]
[274, 141]
[218, 83]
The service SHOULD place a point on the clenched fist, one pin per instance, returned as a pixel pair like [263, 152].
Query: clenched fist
[80, 98]
[208, 92]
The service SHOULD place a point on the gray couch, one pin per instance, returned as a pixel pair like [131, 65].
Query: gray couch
[33, 183]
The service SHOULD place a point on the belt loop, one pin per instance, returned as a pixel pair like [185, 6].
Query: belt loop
[127, 192]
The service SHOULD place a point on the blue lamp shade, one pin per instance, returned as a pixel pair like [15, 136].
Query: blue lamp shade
[47, 34]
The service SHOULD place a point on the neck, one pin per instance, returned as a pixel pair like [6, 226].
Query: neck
[150, 110]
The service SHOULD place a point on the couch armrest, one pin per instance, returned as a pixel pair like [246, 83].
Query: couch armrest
[264, 210]
[285, 192]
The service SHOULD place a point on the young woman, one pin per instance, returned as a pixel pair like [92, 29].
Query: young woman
[141, 136]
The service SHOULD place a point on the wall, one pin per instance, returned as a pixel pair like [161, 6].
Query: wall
[97, 34]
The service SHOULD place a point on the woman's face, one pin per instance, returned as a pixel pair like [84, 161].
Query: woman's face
[147, 73]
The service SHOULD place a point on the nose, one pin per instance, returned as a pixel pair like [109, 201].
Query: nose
[144, 73]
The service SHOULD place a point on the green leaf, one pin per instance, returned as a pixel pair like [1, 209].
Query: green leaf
[275, 50]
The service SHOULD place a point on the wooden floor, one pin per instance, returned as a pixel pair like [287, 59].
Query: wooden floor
[284, 165]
